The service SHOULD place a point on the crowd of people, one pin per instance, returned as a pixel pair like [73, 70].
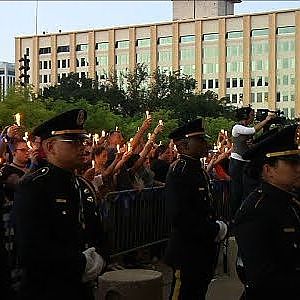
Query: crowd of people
[54, 178]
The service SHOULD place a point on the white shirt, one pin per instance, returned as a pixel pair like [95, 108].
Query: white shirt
[237, 130]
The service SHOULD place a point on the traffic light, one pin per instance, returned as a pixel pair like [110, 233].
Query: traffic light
[24, 68]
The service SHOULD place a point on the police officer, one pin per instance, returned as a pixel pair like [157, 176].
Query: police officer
[267, 225]
[57, 223]
[192, 248]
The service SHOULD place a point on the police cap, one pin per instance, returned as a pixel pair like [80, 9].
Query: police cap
[190, 129]
[68, 124]
[281, 144]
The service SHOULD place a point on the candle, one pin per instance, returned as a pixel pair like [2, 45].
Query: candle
[96, 138]
[89, 135]
[222, 131]
[147, 114]
[26, 136]
[93, 164]
[103, 133]
[160, 122]
[118, 148]
[28, 145]
[175, 148]
[117, 128]
[138, 129]
[226, 149]
[149, 136]
[129, 147]
[160, 143]
[131, 139]
[226, 132]
[18, 119]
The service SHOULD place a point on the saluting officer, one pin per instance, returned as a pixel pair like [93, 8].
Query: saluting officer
[57, 223]
[267, 225]
[192, 248]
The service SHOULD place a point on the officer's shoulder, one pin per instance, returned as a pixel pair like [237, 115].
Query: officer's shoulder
[255, 201]
[36, 176]
[178, 167]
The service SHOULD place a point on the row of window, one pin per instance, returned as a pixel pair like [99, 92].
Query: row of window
[259, 97]
[284, 96]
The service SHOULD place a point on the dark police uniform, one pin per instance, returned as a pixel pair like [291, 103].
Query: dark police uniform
[192, 248]
[267, 228]
[57, 218]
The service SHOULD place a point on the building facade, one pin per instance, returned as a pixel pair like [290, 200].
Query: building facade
[7, 77]
[248, 58]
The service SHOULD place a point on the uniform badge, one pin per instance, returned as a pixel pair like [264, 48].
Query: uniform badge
[80, 118]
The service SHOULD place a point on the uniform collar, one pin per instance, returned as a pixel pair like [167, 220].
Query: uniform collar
[61, 171]
[277, 193]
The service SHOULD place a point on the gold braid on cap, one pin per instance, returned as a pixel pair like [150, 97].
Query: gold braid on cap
[288, 152]
[68, 131]
[195, 133]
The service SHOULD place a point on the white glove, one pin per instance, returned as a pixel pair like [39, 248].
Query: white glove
[94, 264]
[97, 182]
[222, 231]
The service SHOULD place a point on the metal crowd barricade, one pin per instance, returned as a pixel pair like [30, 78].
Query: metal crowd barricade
[220, 192]
[135, 219]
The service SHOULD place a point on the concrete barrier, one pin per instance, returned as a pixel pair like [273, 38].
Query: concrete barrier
[130, 284]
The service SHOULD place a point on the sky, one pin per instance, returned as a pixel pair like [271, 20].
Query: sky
[17, 18]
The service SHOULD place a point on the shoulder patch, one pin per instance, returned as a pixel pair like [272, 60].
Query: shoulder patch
[178, 166]
[35, 175]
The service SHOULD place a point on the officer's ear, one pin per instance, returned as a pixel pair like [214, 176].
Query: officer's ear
[48, 146]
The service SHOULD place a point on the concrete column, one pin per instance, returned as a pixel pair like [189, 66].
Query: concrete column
[198, 55]
[175, 47]
[297, 65]
[73, 52]
[54, 59]
[222, 58]
[111, 52]
[153, 48]
[247, 59]
[91, 54]
[34, 65]
[132, 49]
[18, 55]
[272, 62]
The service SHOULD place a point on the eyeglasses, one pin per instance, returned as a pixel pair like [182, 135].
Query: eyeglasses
[74, 142]
[22, 149]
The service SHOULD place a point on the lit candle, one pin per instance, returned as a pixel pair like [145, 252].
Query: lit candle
[226, 132]
[93, 164]
[131, 139]
[118, 148]
[149, 136]
[89, 135]
[147, 114]
[129, 147]
[18, 119]
[160, 122]
[28, 145]
[117, 128]
[160, 143]
[175, 148]
[96, 137]
[222, 131]
[103, 133]
[26, 136]
[226, 149]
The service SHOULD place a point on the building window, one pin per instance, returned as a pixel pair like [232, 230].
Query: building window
[285, 46]
[241, 82]
[45, 79]
[102, 46]
[216, 83]
[259, 97]
[49, 64]
[234, 50]
[165, 56]
[45, 64]
[58, 64]
[122, 44]
[259, 81]
[142, 43]
[63, 63]
[143, 57]
[187, 54]
[208, 52]
[204, 84]
[122, 59]
[278, 97]
[234, 82]
[234, 34]
[266, 81]
[45, 50]
[228, 83]
[252, 98]
[102, 60]
[236, 66]
[210, 83]
[285, 80]
[285, 96]
[252, 81]
[266, 96]
[82, 47]
[187, 70]
[234, 98]
[259, 48]
[83, 62]
[63, 49]
[210, 68]
[210, 37]
[286, 30]
[292, 113]
[260, 32]
[165, 40]
[41, 65]
[187, 39]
